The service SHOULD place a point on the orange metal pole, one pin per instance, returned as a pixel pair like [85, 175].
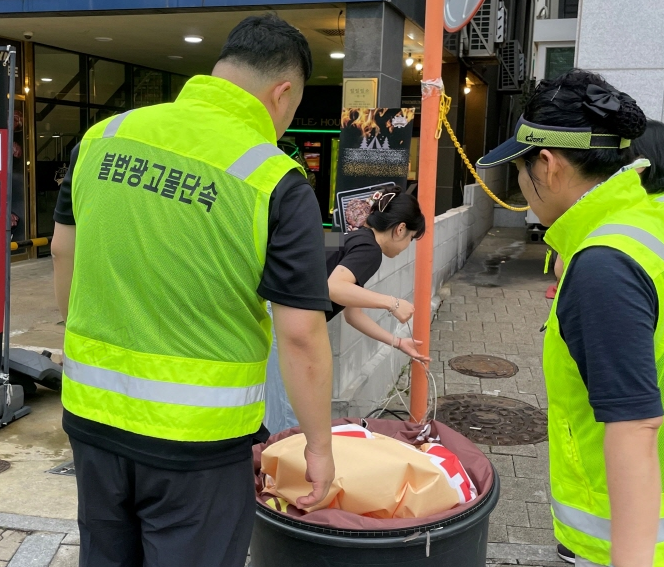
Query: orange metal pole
[433, 66]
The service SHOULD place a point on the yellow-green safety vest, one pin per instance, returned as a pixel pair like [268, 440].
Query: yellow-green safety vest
[166, 335]
[620, 215]
[657, 197]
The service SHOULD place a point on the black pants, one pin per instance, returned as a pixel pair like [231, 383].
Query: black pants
[133, 515]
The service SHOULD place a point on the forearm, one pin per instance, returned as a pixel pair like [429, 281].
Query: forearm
[351, 295]
[305, 360]
[634, 482]
[62, 250]
[362, 322]
[62, 276]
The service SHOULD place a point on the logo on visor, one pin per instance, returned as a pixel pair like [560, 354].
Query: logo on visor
[534, 140]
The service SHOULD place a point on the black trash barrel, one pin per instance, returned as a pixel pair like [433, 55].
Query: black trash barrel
[458, 541]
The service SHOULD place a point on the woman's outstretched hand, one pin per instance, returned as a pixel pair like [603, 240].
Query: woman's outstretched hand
[409, 347]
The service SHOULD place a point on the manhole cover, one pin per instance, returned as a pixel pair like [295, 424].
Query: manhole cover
[66, 469]
[493, 420]
[4, 465]
[483, 366]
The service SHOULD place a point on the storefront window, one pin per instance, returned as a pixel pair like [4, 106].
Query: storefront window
[107, 83]
[19, 211]
[99, 114]
[148, 87]
[58, 75]
[177, 82]
[72, 93]
[59, 129]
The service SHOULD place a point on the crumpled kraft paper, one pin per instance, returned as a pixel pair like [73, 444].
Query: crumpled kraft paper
[376, 476]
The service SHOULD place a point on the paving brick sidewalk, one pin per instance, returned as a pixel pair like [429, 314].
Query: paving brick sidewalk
[501, 314]
[485, 310]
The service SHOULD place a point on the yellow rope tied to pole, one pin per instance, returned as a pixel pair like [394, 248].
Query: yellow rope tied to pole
[445, 104]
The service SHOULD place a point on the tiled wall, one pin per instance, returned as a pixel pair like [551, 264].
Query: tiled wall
[364, 369]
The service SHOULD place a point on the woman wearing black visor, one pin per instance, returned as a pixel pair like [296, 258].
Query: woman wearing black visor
[604, 344]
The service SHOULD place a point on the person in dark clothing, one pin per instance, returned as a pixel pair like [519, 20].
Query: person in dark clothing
[167, 333]
[394, 221]
[651, 146]
[604, 339]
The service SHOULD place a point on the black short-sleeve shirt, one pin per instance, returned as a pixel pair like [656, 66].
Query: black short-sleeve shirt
[608, 310]
[294, 275]
[361, 254]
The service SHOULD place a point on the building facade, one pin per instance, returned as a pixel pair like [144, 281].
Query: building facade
[84, 60]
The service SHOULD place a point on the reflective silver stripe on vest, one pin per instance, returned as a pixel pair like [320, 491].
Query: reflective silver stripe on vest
[162, 392]
[660, 199]
[581, 562]
[582, 521]
[638, 234]
[113, 126]
[590, 524]
[252, 159]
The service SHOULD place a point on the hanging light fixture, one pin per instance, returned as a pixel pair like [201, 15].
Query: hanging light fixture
[409, 61]
[418, 65]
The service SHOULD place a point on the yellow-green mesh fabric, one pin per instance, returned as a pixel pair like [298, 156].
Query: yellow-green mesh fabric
[167, 280]
[167, 251]
[543, 137]
[578, 467]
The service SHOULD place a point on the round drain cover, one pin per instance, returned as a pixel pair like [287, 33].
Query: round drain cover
[483, 366]
[4, 465]
[493, 420]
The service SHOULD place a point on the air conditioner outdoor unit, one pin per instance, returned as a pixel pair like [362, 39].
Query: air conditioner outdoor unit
[512, 66]
[482, 29]
[452, 42]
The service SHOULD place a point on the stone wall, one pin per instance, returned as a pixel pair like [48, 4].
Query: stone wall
[364, 369]
[624, 41]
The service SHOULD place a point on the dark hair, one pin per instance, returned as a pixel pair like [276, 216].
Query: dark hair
[402, 208]
[268, 44]
[568, 101]
[651, 146]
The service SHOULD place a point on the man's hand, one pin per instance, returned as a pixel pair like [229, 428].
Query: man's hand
[409, 347]
[320, 473]
[404, 312]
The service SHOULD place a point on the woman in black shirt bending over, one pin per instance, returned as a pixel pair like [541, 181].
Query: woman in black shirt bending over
[394, 221]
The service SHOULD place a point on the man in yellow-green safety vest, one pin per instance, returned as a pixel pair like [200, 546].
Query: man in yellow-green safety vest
[604, 343]
[174, 225]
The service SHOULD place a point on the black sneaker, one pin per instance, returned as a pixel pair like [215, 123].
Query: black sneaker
[565, 554]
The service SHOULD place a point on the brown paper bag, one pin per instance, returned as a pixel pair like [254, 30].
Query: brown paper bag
[376, 476]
